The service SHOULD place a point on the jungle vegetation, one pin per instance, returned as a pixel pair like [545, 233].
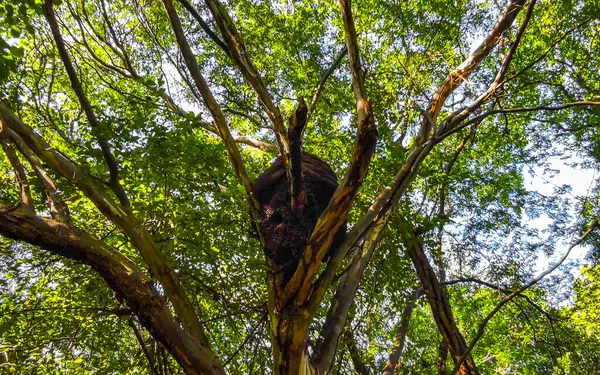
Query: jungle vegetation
[132, 241]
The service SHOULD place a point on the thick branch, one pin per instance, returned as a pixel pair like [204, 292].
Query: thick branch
[86, 106]
[344, 295]
[339, 206]
[214, 108]
[121, 275]
[440, 305]
[140, 238]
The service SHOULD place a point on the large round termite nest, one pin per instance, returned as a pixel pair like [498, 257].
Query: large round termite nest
[286, 231]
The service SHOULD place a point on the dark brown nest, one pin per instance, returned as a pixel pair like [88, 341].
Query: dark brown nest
[286, 232]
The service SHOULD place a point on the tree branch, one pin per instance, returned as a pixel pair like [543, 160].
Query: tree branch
[336, 213]
[549, 49]
[121, 275]
[186, 4]
[20, 173]
[344, 295]
[319, 90]
[440, 305]
[235, 45]
[86, 106]
[295, 131]
[140, 238]
[58, 208]
[140, 339]
[128, 72]
[464, 70]
[455, 128]
[392, 362]
[462, 114]
[390, 195]
[505, 300]
[359, 365]
[215, 110]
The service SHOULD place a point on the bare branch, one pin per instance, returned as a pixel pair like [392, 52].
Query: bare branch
[344, 295]
[128, 72]
[140, 339]
[549, 49]
[319, 90]
[264, 146]
[235, 45]
[440, 305]
[86, 106]
[237, 48]
[186, 4]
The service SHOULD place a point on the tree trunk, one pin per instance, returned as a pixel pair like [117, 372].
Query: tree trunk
[289, 335]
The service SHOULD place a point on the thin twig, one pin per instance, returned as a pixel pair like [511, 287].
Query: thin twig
[517, 292]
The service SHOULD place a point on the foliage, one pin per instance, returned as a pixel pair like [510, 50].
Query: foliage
[59, 316]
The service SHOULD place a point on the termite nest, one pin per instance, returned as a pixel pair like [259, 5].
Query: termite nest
[286, 231]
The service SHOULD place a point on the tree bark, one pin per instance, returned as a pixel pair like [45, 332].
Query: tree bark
[440, 307]
[121, 274]
[392, 363]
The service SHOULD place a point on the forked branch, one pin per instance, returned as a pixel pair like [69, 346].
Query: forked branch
[464, 70]
[336, 213]
[58, 208]
[499, 81]
[20, 173]
[214, 108]
[237, 48]
[140, 238]
[422, 146]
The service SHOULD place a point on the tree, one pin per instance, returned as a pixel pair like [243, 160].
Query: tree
[132, 132]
